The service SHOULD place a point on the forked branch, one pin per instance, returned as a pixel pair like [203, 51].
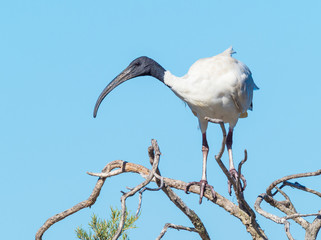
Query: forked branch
[173, 197]
[287, 206]
[136, 189]
[237, 186]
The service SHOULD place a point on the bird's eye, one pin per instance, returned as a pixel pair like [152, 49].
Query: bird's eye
[137, 64]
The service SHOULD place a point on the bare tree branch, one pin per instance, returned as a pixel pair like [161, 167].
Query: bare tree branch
[137, 188]
[141, 195]
[194, 218]
[287, 206]
[284, 208]
[286, 178]
[219, 155]
[239, 191]
[272, 217]
[298, 186]
[178, 227]
[314, 228]
[240, 172]
[87, 203]
[287, 230]
[301, 215]
[236, 185]
[139, 204]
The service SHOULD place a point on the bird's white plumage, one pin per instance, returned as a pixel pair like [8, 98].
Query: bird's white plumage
[219, 87]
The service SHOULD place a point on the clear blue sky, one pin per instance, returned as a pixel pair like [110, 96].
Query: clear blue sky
[57, 56]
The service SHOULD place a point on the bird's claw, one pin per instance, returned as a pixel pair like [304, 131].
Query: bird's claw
[202, 184]
[235, 175]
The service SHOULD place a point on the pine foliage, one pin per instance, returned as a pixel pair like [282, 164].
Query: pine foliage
[100, 229]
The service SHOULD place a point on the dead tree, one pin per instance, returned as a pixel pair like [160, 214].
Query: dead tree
[241, 210]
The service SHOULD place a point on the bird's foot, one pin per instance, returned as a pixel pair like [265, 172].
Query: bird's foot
[235, 175]
[202, 184]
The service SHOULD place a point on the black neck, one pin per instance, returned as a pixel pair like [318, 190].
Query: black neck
[157, 71]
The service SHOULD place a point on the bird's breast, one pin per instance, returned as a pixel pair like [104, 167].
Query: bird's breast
[222, 108]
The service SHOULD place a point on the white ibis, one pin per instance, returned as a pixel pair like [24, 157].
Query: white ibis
[218, 87]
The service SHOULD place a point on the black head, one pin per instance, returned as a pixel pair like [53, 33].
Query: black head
[141, 66]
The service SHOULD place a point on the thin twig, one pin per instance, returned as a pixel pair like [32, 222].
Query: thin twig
[220, 153]
[139, 204]
[240, 172]
[239, 192]
[239, 195]
[141, 195]
[106, 174]
[178, 227]
[298, 186]
[301, 215]
[136, 189]
[287, 230]
[286, 178]
[155, 189]
[194, 218]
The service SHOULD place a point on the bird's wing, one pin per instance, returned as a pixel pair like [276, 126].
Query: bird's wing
[242, 93]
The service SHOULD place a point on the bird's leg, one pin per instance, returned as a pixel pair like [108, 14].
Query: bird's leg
[203, 183]
[233, 172]
[205, 149]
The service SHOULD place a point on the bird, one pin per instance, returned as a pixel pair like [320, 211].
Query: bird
[219, 87]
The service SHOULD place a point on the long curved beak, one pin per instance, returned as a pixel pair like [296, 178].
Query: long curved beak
[122, 77]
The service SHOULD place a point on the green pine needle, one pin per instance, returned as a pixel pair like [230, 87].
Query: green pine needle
[100, 229]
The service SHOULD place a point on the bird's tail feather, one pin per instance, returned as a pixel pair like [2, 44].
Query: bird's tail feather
[230, 51]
